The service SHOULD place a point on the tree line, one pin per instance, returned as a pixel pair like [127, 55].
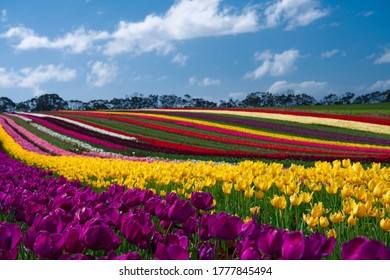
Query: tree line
[52, 101]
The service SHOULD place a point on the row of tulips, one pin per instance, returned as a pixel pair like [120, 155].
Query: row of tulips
[65, 220]
[282, 143]
[341, 121]
[79, 147]
[35, 140]
[220, 139]
[379, 153]
[290, 128]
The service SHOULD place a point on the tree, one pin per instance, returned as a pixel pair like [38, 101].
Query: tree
[50, 102]
[6, 105]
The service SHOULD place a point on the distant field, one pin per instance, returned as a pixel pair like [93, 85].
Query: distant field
[347, 109]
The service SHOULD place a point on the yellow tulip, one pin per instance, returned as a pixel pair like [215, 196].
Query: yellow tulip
[331, 233]
[259, 194]
[317, 210]
[310, 221]
[279, 202]
[337, 217]
[248, 192]
[359, 210]
[295, 200]
[306, 197]
[254, 210]
[352, 220]
[385, 224]
[324, 222]
[227, 187]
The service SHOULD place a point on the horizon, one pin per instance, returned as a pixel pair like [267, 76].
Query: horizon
[215, 50]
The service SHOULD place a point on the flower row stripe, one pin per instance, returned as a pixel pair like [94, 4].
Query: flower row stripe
[306, 119]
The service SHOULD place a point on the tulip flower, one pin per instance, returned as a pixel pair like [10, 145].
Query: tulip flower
[336, 217]
[171, 252]
[10, 236]
[96, 235]
[385, 224]
[224, 226]
[293, 245]
[279, 202]
[360, 248]
[331, 233]
[180, 211]
[202, 200]
[48, 246]
[205, 251]
[324, 222]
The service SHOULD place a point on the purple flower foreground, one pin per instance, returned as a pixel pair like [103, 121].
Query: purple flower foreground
[68, 221]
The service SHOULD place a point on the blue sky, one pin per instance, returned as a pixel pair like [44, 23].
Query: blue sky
[214, 49]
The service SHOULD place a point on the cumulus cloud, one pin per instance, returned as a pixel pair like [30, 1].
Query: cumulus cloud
[185, 20]
[384, 58]
[309, 87]
[380, 86]
[180, 59]
[329, 54]
[102, 73]
[77, 41]
[274, 64]
[293, 13]
[205, 82]
[32, 78]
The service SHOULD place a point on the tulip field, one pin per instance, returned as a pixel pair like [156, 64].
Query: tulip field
[204, 184]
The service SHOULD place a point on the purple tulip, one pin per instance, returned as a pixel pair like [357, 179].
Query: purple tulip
[171, 197]
[10, 236]
[138, 229]
[50, 223]
[270, 242]
[180, 211]
[190, 226]
[48, 246]
[360, 248]
[73, 244]
[293, 245]
[202, 200]
[205, 251]
[131, 198]
[96, 235]
[317, 246]
[224, 226]
[171, 252]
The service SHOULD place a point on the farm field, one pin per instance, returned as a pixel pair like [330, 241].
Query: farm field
[196, 184]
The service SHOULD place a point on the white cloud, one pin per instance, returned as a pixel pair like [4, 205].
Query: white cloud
[385, 58]
[237, 95]
[366, 13]
[380, 86]
[329, 54]
[102, 73]
[274, 64]
[32, 78]
[3, 16]
[309, 87]
[205, 82]
[186, 19]
[293, 13]
[180, 59]
[76, 42]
